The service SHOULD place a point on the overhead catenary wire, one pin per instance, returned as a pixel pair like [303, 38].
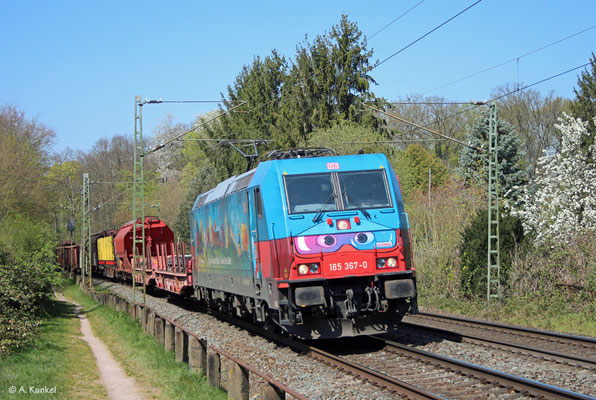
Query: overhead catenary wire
[478, 104]
[425, 35]
[156, 148]
[395, 20]
[511, 60]
[192, 129]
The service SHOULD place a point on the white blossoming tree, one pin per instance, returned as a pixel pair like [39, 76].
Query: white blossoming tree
[561, 202]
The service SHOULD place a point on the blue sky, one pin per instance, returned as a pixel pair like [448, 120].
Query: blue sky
[77, 65]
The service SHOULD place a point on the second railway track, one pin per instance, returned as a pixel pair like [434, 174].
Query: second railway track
[574, 348]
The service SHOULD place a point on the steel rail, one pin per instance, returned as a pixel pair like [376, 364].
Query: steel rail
[581, 340]
[524, 386]
[557, 356]
[377, 378]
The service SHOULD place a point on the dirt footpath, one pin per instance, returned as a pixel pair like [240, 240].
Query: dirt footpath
[117, 383]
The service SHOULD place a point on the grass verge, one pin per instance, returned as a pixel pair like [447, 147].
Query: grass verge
[560, 312]
[157, 373]
[58, 365]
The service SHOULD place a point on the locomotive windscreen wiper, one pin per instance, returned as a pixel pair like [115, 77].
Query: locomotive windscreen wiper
[358, 206]
[319, 213]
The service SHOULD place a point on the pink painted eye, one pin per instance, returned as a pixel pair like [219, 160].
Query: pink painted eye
[326, 240]
[302, 245]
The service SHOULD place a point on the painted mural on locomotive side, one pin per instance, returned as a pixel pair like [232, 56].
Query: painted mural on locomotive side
[221, 236]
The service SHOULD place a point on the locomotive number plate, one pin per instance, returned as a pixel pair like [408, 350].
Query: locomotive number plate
[348, 266]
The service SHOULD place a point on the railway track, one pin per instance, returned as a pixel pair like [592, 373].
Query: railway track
[457, 379]
[570, 349]
[405, 372]
[416, 374]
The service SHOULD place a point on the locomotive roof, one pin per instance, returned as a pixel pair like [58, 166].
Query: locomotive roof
[256, 176]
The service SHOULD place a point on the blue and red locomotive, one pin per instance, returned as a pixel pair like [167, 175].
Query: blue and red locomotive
[319, 247]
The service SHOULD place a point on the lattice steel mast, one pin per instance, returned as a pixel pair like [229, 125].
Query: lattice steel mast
[85, 257]
[138, 200]
[493, 273]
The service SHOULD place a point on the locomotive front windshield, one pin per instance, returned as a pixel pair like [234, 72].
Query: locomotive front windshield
[366, 189]
[310, 193]
[336, 191]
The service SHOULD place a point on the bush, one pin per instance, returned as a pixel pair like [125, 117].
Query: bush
[544, 270]
[412, 165]
[27, 272]
[474, 250]
[436, 229]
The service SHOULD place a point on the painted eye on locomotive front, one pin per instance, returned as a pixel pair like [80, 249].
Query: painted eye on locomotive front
[363, 238]
[326, 240]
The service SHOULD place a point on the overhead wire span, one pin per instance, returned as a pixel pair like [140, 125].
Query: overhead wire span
[421, 127]
[192, 129]
[192, 101]
[432, 102]
[426, 34]
[511, 60]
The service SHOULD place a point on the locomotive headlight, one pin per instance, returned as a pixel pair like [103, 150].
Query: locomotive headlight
[391, 262]
[303, 269]
[343, 224]
[314, 268]
[381, 263]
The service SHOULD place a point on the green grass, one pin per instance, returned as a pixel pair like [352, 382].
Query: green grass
[561, 312]
[156, 371]
[58, 358]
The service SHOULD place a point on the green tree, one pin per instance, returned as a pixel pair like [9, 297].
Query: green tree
[258, 85]
[474, 250]
[473, 164]
[584, 105]
[327, 83]
[27, 273]
[204, 180]
[347, 137]
[24, 157]
[64, 181]
[412, 166]
[533, 116]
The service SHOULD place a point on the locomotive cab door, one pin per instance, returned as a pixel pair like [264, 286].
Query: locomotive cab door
[256, 212]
